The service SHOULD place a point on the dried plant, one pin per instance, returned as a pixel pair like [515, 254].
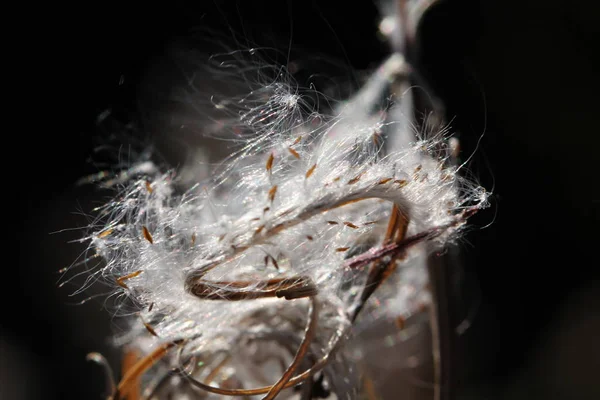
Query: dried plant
[250, 282]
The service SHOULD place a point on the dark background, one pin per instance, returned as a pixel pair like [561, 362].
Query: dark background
[524, 74]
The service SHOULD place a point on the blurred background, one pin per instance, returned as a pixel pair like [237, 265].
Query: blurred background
[519, 79]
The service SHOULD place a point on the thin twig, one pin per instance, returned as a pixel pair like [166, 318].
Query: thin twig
[131, 376]
[309, 334]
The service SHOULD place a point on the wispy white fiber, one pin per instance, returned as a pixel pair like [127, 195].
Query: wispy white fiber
[306, 194]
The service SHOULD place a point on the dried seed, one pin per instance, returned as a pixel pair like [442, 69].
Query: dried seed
[150, 329]
[270, 162]
[121, 280]
[105, 233]
[294, 153]
[272, 193]
[355, 179]
[147, 235]
[274, 261]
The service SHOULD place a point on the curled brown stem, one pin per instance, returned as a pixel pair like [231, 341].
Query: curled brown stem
[289, 288]
[126, 385]
[300, 378]
[101, 361]
[309, 334]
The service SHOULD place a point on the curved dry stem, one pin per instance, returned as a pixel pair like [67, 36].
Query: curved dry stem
[160, 382]
[309, 334]
[289, 288]
[300, 378]
[126, 384]
[108, 372]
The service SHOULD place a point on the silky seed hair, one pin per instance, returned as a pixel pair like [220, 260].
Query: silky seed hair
[253, 277]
